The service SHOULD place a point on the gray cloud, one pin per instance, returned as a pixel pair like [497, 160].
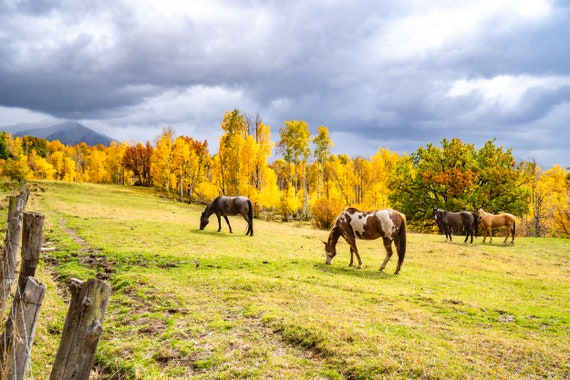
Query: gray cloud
[389, 74]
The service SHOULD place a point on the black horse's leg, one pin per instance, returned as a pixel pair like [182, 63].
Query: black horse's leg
[467, 231]
[448, 233]
[249, 225]
[228, 222]
[219, 222]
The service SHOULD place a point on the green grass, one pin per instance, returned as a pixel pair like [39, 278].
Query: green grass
[201, 304]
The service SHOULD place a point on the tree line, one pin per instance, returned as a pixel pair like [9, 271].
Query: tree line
[306, 181]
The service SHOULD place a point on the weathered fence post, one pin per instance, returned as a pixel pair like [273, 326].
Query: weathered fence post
[24, 316]
[9, 257]
[82, 329]
[31, 246]
[18, 334]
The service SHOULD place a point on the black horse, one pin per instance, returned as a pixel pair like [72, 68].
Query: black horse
[446, 220]
[229, 206]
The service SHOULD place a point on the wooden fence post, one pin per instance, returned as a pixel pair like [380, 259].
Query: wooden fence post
[82, 329]
[31, 246]
[20, 326]
[24, 315]
[9, 256]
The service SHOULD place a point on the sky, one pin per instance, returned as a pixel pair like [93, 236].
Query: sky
[378, 74]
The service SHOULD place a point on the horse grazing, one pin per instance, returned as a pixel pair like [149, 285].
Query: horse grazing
[229, 206]
[490, 221]
[352, 224]
[447, 219]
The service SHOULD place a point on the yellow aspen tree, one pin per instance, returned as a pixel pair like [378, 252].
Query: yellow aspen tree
[181, 163]
[161, 161]
[69, 173]
[230, 150]
[342, 177]
[248, 157]
[40, 168]
[269, 194]
[80, 155]
[322, 152]
[383, 162]
[294, 145]
[115, 170]
[553, 187]
[96, 168]
[17, 167]
[56, 160]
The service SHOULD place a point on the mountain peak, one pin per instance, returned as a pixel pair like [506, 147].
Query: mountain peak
[69, 132]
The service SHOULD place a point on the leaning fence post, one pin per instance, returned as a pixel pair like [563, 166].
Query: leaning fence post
[9, 257]
[20, 326]
[24, 315]
[82, 329]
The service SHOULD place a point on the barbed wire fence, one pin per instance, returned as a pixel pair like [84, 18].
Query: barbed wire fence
[83, 325]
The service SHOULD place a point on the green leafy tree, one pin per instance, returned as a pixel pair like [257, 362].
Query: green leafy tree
[502, 185]
[457, 177]
[3, 146]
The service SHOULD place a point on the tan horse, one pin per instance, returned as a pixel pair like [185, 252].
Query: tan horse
[490, 221]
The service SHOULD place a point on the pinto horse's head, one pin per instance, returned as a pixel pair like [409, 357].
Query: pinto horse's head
[330, 252]
[203, 221]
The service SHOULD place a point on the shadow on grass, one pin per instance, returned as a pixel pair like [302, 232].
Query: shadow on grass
[216, 234]
[478, 243]
[366, 272]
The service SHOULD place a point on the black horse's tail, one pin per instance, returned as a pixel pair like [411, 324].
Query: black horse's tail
[250, 216]
[476, 223]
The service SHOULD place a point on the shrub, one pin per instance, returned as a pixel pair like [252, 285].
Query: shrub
[325, 212]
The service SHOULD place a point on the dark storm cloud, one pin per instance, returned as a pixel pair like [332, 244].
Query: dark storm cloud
[390, 74]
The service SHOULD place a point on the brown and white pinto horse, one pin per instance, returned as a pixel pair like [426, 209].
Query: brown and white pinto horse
[352, 224]
[490, 221]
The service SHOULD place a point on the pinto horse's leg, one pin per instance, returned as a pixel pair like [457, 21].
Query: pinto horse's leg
[228, 222]
[401, 252]
[353, 252]
[389, 252]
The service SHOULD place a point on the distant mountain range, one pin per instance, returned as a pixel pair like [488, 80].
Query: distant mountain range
[67, 132]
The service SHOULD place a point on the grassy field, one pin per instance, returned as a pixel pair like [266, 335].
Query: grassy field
[206, 305]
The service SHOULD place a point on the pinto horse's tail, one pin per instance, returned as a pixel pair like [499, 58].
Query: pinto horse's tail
[402, 234]
[401, 249]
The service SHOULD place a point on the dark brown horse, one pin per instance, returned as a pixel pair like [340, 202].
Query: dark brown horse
[229, 206]
[352, 224]
[490, 221]
[447, 219]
